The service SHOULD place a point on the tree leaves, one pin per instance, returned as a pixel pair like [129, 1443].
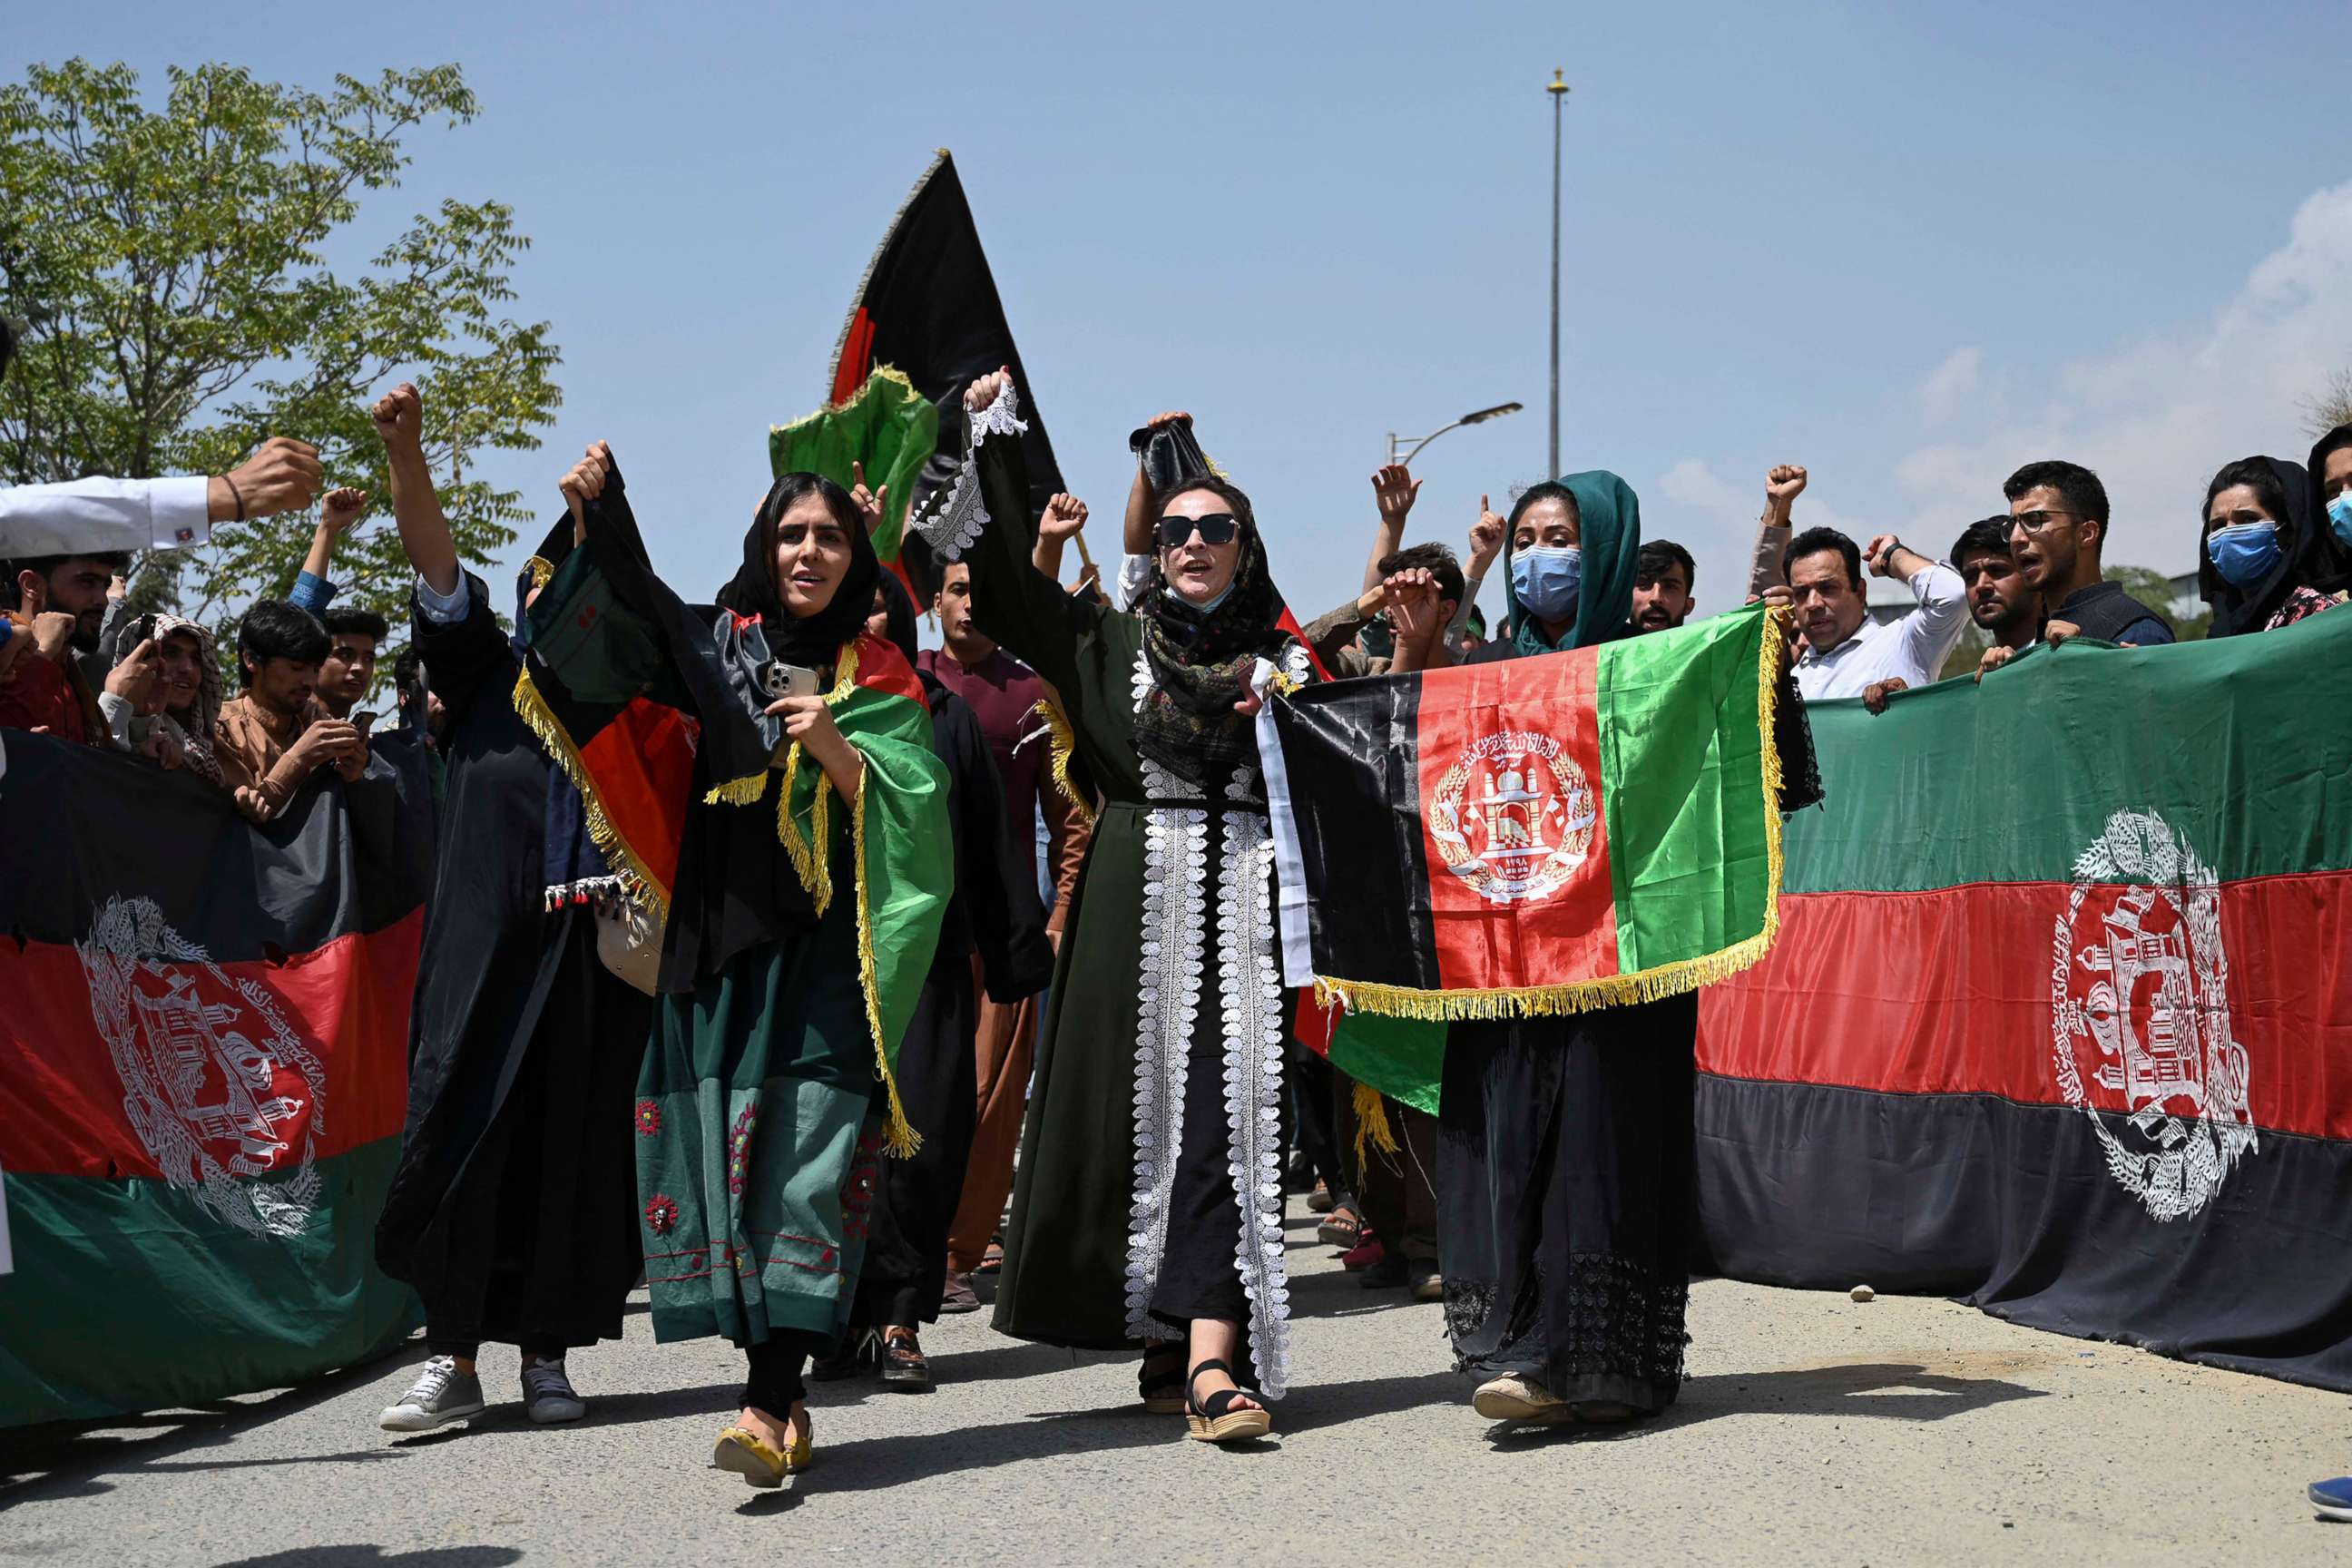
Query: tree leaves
[170, 263]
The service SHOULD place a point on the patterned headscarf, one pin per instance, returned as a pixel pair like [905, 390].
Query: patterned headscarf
[196, 728]
[1200, 660]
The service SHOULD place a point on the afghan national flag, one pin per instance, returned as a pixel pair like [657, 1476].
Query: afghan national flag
[629, 687]
[1543, 835]
[2060, 1017]
[928, 306]
[204, 1059]
[886, 426]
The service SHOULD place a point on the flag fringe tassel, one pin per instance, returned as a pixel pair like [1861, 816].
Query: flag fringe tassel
[899, 1136]
[1372, 1124]
[1614, 990]
[1064, 744]
[531, 708]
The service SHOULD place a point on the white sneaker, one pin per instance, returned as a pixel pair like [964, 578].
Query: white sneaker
[440, 1394]
[548, 1394]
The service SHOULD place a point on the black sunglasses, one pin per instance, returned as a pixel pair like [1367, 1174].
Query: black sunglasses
[1217, 528]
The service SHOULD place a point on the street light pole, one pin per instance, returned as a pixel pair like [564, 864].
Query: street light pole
[1559, 90]
[1478, 417]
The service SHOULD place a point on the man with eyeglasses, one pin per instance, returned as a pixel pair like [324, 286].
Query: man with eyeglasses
[2057, 527]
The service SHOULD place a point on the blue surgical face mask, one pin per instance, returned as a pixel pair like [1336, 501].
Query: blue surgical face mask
[2244, 553]
[1546, 578]
[2339, 518]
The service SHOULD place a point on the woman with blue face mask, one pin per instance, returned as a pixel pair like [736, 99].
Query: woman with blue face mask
[2330, 466]
[1566, 1152]
[2260, 550]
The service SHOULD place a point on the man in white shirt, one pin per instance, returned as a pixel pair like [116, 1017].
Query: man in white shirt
[106, 517]
[1844, 650]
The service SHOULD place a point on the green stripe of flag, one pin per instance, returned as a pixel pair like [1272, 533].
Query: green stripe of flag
[1682, 759]
[2044, 753]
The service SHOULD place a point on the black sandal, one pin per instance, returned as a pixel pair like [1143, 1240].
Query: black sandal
[1159, 1381]
[1217, 1421]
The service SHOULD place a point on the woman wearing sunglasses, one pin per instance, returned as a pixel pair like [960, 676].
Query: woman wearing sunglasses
[1148, 1207]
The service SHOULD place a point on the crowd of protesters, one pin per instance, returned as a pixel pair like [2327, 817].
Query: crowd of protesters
[604, 1092]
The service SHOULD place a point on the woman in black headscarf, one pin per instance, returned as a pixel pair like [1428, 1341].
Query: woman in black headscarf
[2262, 549]
[805, 828]
[1148, 1206]
[995, 912]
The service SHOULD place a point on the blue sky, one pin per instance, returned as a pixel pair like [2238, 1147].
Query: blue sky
[1909, 248]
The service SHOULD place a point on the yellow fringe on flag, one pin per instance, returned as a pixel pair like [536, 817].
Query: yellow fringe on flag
[745, 791]
[899, 1136]
[1064, 745]
[810, 860]
[1372, 1124]
[865, 389]
[541, 569]
[533, 709]
[1616, 990]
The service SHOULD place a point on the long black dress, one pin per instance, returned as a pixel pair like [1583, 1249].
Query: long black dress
[513, 1210]
[995, 911]
[1565, 1145]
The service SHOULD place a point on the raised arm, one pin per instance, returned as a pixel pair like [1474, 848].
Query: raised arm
[1066, 516]
[341, 508]
[983, 520]
[1486, 544]
[1395, 490]
[415, 508]
[1766, 571]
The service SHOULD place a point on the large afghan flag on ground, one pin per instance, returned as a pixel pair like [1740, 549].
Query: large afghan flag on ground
[1542, 835]
[204, 1069]
[2060, 1017]
[928, 306]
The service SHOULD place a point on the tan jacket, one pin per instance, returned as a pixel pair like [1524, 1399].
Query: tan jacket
[254, 748]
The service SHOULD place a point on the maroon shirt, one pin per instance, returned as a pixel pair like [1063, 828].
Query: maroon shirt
[1003, 693]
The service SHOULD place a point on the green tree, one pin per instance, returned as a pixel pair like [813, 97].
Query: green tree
[2152, 588]
[172, 264]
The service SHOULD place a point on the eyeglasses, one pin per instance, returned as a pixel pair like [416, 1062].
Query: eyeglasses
[2035, 522]
[1217, 528]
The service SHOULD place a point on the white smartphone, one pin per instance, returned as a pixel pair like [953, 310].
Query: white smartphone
[782, 679]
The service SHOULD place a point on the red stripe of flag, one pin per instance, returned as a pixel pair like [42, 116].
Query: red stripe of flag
[1951, 992]
[62, 1100]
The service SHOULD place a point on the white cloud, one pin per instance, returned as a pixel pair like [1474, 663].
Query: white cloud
[1715, 520]
[2156, 414]
[1951, 384]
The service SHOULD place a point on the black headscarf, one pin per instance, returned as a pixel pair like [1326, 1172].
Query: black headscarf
[737, 887]
[1202, 659]
[815, 641]
[898, 606]
[2330, 565]
[2237, 610]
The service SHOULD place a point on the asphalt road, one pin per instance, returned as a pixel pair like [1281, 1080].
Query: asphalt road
[1812, 1430]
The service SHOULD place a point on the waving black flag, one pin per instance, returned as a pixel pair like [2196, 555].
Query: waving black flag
[928, 306]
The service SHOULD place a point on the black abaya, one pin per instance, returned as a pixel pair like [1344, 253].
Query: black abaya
[1564, 1190]
[996, 914]
[513, 1210]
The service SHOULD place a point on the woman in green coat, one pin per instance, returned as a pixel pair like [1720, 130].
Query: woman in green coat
[762, 772]
[1148, 1204]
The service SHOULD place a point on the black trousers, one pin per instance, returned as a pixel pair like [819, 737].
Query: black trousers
[915, 1202]
[1198, 1277]
[773, 1367]
[1565, 1199]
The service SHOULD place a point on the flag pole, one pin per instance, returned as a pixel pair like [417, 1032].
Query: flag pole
[1559, 90]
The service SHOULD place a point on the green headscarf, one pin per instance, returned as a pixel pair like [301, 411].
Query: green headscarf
[1609, 533]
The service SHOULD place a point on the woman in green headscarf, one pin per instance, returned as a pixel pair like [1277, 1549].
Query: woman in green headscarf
[1564, 1163]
